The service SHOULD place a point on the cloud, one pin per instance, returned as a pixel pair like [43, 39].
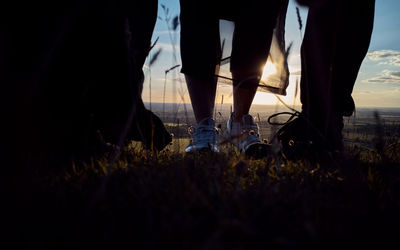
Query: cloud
[365, 92]
[395, 74]
[388, 57]
[386, 77]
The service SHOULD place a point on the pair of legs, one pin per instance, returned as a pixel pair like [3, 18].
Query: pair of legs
[200, 49]
[202, 95]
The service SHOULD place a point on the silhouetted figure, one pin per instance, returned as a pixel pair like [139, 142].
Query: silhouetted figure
[336, 40]
[201, 54]
[72, 79]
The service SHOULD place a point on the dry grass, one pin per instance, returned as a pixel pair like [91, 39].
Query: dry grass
[211, 201]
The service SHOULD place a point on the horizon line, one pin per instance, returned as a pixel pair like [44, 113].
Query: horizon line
[188, 103]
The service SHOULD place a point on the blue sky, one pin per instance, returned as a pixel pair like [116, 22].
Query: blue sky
[378, 83]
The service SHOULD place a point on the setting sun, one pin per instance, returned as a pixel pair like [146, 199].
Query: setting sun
[269, 70]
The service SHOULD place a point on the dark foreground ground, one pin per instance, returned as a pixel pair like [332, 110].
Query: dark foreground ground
[210, 201]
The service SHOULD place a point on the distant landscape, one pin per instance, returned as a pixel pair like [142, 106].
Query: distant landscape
[360, 129]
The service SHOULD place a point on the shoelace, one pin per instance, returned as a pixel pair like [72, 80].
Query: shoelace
[251, 129]
[293, 115]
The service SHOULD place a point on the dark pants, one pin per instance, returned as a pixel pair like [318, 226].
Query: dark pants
[336, 40]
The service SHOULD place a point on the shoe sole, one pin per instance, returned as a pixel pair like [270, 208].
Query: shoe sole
[201, 150]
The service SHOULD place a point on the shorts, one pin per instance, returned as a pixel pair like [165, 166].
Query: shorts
[200, 38]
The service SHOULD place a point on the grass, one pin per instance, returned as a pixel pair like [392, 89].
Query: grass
[210, 201]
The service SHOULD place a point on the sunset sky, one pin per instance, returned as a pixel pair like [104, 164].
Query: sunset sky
[377, 85]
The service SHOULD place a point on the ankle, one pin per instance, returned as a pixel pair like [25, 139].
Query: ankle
[200, 118]
[236, 117]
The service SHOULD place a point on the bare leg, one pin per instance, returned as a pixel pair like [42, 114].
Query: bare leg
[202, 96]
[243, 96]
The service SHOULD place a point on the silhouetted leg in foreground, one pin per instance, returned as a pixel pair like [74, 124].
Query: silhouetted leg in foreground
[335, 43]
[71, 72]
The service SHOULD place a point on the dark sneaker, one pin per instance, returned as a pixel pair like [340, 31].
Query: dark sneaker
[295, 139]
[301, 139]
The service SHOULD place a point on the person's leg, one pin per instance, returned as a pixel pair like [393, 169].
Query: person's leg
[316, 56]
[241, 127]
[243, 95]
[202, 95]
[315, 84]
[200, 49]
[252, 38]
[330, 63]
[356, 21]
[254, 25]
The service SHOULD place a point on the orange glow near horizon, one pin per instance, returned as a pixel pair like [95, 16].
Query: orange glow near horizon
[269, 70]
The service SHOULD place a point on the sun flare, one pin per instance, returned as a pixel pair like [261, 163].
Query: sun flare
[269, 70]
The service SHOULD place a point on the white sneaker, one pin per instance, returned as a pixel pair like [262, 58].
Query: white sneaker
[245, 136]
[204, 137]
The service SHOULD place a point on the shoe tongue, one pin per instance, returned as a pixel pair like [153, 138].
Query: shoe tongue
[207, 122]
[248, 119]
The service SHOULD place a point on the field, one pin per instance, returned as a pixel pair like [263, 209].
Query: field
[360, 130]
[170, 200]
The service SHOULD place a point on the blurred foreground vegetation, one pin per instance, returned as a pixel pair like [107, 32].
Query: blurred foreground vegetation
[171, 200]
